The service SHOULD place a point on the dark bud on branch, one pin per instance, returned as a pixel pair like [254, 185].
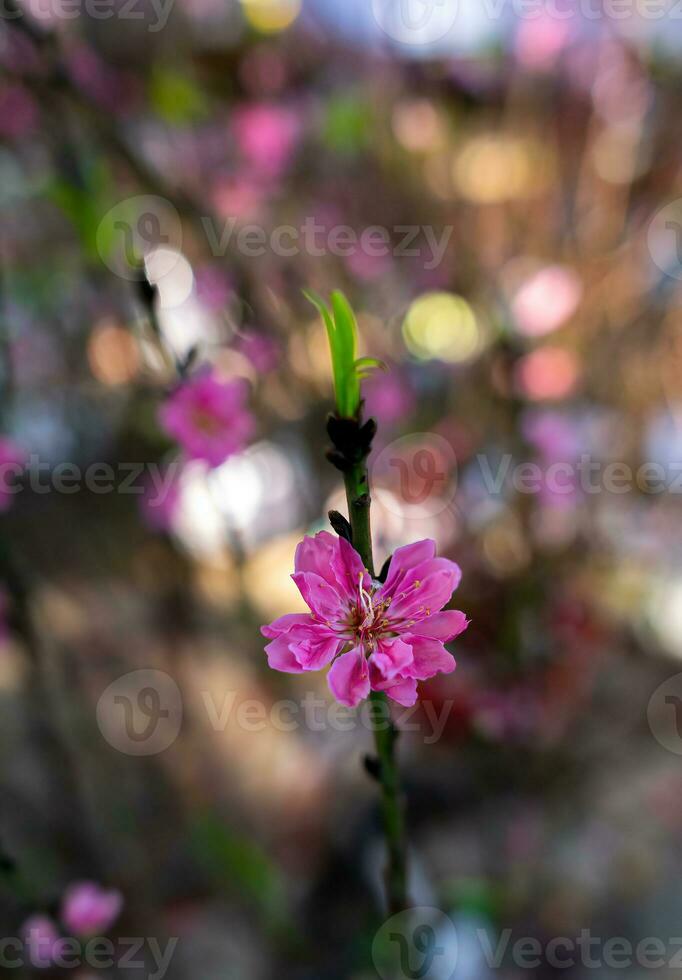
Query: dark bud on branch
[341, 525]
[351, 439]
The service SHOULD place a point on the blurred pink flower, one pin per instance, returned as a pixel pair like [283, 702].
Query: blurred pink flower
[42, 939]
[546, 300]
[208, 417]
[12, 461]
[238, 197]
[381, 637]
[539, 41]
[88, 910]
[266, 136]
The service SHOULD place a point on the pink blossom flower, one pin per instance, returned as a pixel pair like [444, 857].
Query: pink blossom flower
[240, 197]
[540, 41]
[88, 910]
[208, 417]
[43, 942]
[380, 637]
[266, 135]
[12, 461]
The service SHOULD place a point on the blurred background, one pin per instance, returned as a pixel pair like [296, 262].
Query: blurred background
[519, 168]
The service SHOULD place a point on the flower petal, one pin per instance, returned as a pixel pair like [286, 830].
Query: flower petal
[350, 570]
[322, 598]
[442, 626]
[348, 678]
[404, 691]
[407, 557]
[391, 659]
[315, 651]
[424, 589]
[429, 657]
[286, 623]
[281, 657]
[315, 554]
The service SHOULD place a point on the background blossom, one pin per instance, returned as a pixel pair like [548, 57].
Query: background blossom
[208, 417]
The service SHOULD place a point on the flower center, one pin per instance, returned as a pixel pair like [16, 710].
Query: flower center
[206, 422]
[369, 621]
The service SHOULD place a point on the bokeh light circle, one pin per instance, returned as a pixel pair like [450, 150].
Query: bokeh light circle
[271, 16]
[442, 326]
